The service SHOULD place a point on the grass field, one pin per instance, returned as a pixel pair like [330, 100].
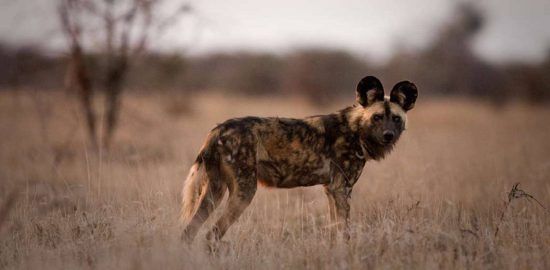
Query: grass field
[435, 202]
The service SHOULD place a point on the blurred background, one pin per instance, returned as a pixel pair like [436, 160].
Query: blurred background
[492, 50]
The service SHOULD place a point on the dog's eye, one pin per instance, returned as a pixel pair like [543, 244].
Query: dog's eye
[396, 119]
[377, 117]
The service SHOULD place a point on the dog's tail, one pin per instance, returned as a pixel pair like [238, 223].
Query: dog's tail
[194, 190]
[197, 185]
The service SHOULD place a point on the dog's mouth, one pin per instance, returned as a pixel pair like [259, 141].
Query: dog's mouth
[387, 143]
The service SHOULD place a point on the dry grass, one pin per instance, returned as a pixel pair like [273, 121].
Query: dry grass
[434, 203]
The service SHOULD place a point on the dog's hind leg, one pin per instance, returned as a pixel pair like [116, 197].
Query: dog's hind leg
[241, 191]
[214, 191]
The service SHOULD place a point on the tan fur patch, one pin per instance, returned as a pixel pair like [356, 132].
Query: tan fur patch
[316, 122]
[364, 114]
[261, 152]
[397, 110]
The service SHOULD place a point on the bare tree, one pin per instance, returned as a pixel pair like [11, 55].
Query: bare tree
[121, 30]
[78, 75]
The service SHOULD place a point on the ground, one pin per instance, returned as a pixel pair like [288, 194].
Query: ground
[435, 202]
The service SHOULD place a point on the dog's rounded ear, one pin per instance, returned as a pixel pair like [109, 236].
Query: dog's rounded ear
[369, 90]
[404, 93]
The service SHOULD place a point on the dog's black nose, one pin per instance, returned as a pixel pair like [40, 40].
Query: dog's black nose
[388, 136]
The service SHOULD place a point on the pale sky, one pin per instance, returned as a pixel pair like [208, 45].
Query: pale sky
[514, 30]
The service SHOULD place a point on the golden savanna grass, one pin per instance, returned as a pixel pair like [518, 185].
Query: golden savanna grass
[435, 202]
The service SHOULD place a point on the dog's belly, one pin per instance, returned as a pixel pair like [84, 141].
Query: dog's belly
[283, 174]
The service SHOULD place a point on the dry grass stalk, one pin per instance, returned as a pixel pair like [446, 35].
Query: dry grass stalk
[515, 193]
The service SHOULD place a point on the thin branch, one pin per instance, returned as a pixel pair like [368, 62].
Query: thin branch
[160, 27]
[144, 33]
[174, 18]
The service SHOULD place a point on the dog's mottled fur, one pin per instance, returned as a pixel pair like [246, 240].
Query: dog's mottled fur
[329, 150]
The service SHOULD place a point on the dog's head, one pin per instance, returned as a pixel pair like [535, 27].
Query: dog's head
[380, 119]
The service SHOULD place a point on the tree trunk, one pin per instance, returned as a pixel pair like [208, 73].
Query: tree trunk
[116, 73]
[78, 76]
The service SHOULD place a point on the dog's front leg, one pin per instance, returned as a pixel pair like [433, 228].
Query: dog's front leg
[332, 214]
[342, 212]
[339, 198]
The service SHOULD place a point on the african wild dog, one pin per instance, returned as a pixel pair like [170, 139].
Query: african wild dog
[328, 150]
